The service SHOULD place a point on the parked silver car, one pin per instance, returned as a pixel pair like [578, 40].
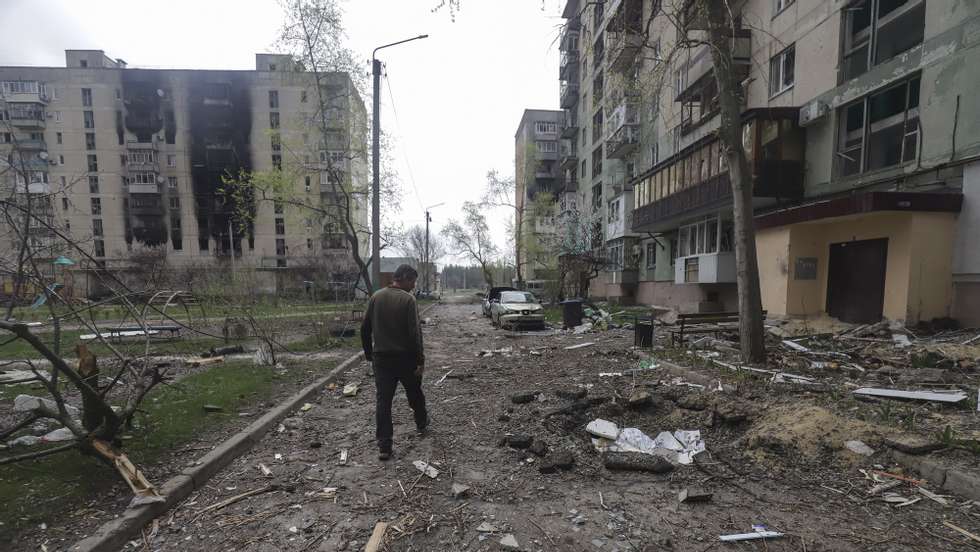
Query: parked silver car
[516, 309]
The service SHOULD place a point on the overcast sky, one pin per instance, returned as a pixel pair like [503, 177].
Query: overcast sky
[458, 95]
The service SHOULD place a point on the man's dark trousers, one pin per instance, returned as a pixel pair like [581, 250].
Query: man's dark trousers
[388, 371]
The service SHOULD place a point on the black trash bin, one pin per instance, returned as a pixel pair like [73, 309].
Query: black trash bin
[571, 313]
[643, 332]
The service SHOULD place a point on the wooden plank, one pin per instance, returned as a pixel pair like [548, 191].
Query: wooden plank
[377, 537]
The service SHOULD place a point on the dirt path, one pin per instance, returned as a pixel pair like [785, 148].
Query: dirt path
[815, 496]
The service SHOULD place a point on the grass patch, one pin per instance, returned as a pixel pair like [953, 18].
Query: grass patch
[35, 491]
[162, 346]
[262, 310]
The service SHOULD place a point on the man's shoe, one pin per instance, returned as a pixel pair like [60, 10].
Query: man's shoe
[424, 428]
[384, 455]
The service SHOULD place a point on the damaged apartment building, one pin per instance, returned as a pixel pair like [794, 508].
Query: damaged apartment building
[862, 130]
[137, 162]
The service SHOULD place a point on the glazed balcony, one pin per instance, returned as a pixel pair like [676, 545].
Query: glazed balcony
[26, 117]
[24, 91]
[569, 128]
[622, 49]
[569, 94]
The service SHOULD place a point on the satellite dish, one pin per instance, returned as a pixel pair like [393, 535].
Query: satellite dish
[43, 155]
[159, 92]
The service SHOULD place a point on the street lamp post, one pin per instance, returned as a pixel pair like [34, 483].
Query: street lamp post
[376, 165]
[425, 263]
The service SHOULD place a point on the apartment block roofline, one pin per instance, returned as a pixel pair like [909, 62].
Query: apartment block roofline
[527, 112]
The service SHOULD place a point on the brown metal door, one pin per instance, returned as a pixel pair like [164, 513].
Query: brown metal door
[856, 280]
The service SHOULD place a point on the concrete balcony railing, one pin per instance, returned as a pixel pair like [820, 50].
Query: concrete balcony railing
[143, 188]
[623, 142]
[569, 94]
[701, 63]
[622, 48]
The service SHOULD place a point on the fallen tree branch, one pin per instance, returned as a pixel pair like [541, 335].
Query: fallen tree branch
[37, 454]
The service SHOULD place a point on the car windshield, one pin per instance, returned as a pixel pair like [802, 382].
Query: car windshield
[516, 297]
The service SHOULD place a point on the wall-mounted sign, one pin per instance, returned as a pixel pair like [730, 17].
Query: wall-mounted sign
[806, 268]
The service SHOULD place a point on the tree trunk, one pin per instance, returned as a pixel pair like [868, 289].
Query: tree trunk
[720, 36]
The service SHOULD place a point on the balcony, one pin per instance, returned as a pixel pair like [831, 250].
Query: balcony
[569, 185]
[142, 165]
[32, 145]
[30, 118]
[623, 142]
[708, 268]
[569, 128]
[24, 91]
[623, 47]
[568, 66]
[143, 146]
[701, 64]
[568, 157]
[715, 192]
[569, 94]
[143, 188]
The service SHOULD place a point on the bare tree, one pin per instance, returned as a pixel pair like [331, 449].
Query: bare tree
[471, 238]
[94, 429]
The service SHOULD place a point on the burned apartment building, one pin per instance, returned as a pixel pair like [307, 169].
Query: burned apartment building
[862, 137]
[536, 187]
[137, 163]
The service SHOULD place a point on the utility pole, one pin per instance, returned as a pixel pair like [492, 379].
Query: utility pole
[425, 262]
[376, 182]
[376, 166]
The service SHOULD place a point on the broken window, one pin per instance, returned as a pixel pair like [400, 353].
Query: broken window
[878, 30]
[88, 119]
[58, 138]
[651, 255]
[273, 119]
[97, 227]
[280, 226]
[172, 182]
[90, 140]
[277, 161]
[202, 244]
[171, 161]
[306, 182]
[276, 142]
[87, 97]
[93, 184]
[781, 70]
[280, 247]
[547, 146]
[273, 99]
[175, 203]
[93, 163]
[99, 249]
[597, 161]
[96, 206]
[881, 130]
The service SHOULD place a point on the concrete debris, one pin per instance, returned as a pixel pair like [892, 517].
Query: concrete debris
[694, 495]
[571, 394]
[344, 455]
[635, 461]
[882, 487]
[901, 340]
[795, 346]
[351, 389]
[583, 328]
[932, 496]
[509, 542]
[858, 447]
[538, 448]
[486, 528]
[425, 468]
[505, 351]
[933, 396]
[28, 403]
[265, 470]
[603, 428]
[640, 399]
[912, 444]
[306, 407]
[459, 490]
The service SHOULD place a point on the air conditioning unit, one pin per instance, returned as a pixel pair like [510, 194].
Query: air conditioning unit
[812, 112]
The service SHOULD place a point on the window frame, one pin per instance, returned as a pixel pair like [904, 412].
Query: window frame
[779, 62]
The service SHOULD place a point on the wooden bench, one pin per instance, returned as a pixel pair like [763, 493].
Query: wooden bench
[705, 323]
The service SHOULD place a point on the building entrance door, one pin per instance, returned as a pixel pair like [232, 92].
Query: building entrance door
[856, 280]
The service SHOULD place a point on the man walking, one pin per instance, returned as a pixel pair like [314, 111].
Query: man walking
[392, 320]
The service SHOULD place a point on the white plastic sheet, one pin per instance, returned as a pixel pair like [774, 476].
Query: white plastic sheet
[679, 447]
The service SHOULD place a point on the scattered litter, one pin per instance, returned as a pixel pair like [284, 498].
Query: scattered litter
[795, 346]
[583, 328]
[20, 376]
[265, 470]
[425, 468]
[212, 408]
[579, 346]
[306, 407]
[694, 495]
[937, 396]
[882, 487]
[509, 542]
[901, 340]
[327, 493]
[858, 447]
[932, 496]
[962, 531]
[486, 528]
[344, 453]
[678, 447]
[506, 351]
[351, 389]
[196, 362]
[58, 435]
[116, 335]
[759, 532]
[443, 378]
